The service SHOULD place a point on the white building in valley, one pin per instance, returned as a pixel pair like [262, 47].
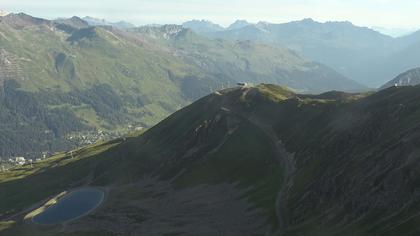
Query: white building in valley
[20, 161]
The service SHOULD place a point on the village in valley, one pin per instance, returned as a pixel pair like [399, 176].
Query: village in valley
[77, 140]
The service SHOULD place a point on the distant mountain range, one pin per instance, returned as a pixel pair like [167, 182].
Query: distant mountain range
[61, 78]
[359, 53]
[204, 26]
[101, 22]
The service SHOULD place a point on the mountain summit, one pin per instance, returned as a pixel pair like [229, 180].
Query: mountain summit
[202, 26]
[409, 78]
[238, 24]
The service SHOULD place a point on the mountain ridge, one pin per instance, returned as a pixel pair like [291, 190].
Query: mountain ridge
[101, 22]
[202, 26]
[295, 158]
[238, 24]
[408, 78]
[357, 52]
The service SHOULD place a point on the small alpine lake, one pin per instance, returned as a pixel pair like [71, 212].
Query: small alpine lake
[71, 206]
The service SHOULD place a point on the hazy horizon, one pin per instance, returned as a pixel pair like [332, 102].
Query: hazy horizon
[393, 32]
[382, 15]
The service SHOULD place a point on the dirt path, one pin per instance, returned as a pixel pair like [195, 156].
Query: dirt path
[285, 159]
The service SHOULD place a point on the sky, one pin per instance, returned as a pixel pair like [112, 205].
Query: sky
[388, 14]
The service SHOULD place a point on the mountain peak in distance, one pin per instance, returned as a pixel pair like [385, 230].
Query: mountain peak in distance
[203, 26]
[238, 24]
[408, 78]
[102, 22]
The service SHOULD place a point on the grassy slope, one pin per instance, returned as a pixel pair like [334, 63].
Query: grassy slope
[247, 157]
[356, 171]
[94, 61]
[352, 163]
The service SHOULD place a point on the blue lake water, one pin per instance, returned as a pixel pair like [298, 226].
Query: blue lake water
[72, 206]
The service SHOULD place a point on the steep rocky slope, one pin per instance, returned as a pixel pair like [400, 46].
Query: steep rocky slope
[409, 78]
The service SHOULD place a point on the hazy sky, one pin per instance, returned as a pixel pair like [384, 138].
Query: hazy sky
[384, 13]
